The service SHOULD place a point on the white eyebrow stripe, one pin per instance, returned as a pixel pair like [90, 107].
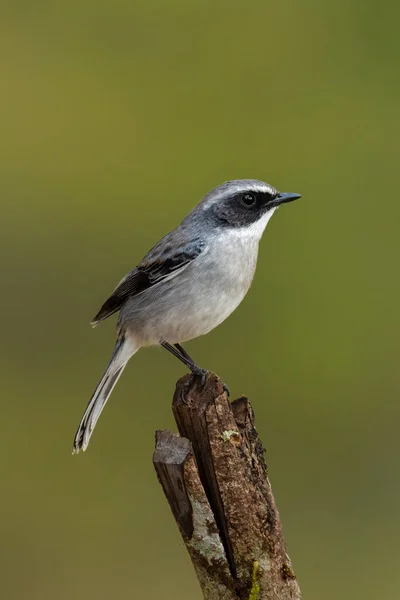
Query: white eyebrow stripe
[256, 187]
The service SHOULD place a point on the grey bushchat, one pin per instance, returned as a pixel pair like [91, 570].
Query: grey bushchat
[188, 283]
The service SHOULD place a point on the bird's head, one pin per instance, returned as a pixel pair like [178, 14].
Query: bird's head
[244, 204]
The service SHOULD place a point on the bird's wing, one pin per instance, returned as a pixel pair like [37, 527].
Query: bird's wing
[164, 261]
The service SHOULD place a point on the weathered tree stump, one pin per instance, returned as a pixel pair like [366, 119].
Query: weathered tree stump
[214, 476]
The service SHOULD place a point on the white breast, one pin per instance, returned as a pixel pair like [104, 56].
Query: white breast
[204, 294]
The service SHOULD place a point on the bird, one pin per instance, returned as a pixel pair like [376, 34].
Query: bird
[187, 284]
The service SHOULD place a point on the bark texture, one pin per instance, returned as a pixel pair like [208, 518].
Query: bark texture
[214, 476]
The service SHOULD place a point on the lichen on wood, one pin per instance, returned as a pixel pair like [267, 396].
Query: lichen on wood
[255, 588]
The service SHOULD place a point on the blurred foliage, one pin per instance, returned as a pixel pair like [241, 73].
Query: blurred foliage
[116, 118]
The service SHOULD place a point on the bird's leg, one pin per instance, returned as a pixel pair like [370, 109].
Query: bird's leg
[189, 358]
[193, 366]
[186, 359]
[185, 354]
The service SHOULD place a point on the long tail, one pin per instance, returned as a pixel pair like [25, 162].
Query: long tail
[122, 352]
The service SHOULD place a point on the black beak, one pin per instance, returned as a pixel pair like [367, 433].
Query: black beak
[285, 197]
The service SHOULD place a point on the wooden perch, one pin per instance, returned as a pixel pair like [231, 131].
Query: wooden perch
[214, 477]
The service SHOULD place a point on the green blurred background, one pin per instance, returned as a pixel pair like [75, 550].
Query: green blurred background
[116, 118]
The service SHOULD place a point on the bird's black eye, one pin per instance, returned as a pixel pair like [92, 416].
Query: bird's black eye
[248, 200]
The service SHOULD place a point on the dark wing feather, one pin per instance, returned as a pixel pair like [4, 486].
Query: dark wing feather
[164, 260]
[135, 282]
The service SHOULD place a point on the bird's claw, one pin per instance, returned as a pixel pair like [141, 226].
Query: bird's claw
[201, 374]
[226, 389]
[184, 391]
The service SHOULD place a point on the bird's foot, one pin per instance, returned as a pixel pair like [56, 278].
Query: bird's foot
[197, 372]
[200, 373]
